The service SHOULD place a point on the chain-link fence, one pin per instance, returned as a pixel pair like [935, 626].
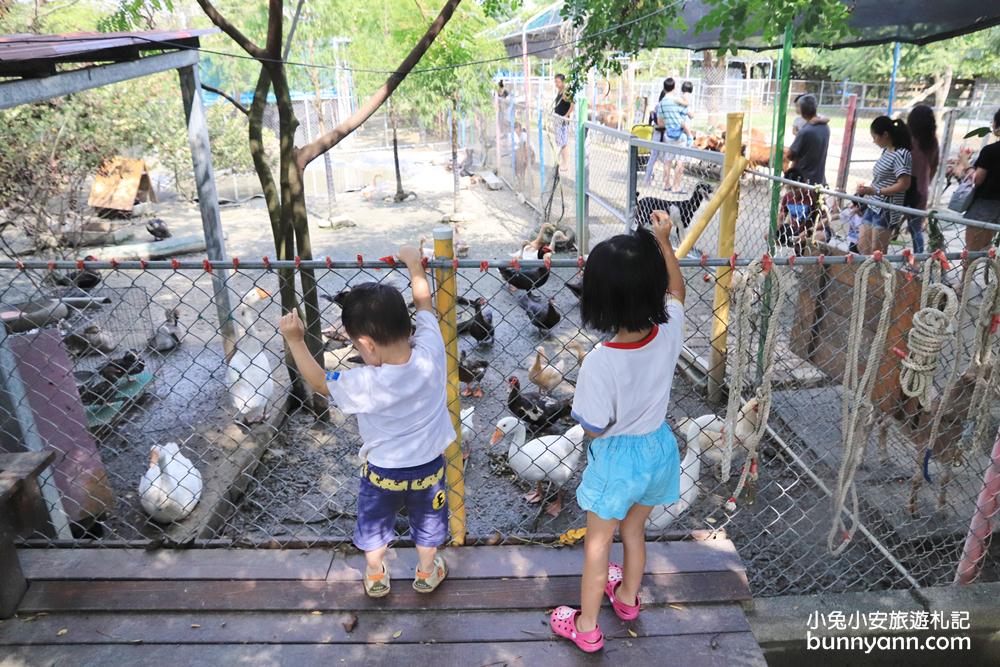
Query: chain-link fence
[116, 361]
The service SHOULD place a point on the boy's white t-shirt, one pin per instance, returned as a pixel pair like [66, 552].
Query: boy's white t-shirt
[625, 388]
[402, 409]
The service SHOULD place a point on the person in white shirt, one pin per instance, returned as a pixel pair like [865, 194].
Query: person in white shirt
[399, 397]
[634, 290]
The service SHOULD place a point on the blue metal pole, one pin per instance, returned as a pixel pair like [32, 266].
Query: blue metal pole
[892, 79]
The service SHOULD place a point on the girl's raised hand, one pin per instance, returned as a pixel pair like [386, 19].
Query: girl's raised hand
[291, 327]
[662, 226]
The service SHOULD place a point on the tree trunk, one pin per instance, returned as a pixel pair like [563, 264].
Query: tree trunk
[714, 68]
[400, 193]
[454, 151]
[331, 194]
[941, 96]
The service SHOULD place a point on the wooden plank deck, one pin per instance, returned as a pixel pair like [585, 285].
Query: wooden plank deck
[269, 607]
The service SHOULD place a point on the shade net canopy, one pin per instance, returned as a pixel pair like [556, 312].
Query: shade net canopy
[871, 22]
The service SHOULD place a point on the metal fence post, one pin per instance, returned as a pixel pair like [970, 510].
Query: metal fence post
[633, 184]
[447, 317]
[541, 162]
[496, 123]
[13, 387]
[724, 274]
[582, 227]
[937, 189]
[847, 145]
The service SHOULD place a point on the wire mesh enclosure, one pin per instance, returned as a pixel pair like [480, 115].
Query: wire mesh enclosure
[133, 360]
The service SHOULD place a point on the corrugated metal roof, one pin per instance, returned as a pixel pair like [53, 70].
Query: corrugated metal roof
[37, 55]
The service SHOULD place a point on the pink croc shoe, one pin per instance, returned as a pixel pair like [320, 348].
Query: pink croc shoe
[624, 611]
[563, 623]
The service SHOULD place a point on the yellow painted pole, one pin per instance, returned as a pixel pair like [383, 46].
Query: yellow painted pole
[721, 195]
[724, 274]
[448, 319]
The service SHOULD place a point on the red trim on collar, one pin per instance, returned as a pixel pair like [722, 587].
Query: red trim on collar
[636, 345]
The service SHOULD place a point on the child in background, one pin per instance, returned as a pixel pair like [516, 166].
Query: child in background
[795, 216]
[632, 289]
[851, 219]
[399, 398]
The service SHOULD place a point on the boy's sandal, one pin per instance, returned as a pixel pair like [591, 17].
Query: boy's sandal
[563, 623]
[377, 585]
[624, 611]
[426, 582]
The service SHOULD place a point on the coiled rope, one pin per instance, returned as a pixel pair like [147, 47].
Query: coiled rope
[932, 327]
[857, 407]
[745, 288]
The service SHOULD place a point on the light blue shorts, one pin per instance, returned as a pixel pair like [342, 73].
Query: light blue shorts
[625, 470]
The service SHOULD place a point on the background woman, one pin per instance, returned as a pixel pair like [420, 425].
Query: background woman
[890, 180]
[923, 131]
[986, 201]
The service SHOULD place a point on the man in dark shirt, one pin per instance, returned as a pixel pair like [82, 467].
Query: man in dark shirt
[808, 151]
[562, 108]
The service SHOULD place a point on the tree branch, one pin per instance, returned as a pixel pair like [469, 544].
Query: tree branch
[227, 97]
[223, 24]
[275, 21]
[324, 143]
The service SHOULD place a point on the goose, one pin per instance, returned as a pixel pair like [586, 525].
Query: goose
[171, 487]
[544, 374]
[248, 369]
[466, 417]
[710, 431]
[663, 516]
[168, 335]
[551, 458]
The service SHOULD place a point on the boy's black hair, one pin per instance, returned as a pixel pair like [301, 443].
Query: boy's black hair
[687, 87]
[560, 77]
[377, 311]
[624, 284]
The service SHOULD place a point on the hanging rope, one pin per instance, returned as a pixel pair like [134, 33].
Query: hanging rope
[857, 407]
[987, 324]
[930, 330]
[747, 285]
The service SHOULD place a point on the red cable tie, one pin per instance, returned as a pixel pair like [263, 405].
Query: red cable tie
[580, 261]
[821, 259]
[425, 262]
[329, 262]
[19, 264]
[388, 259]
[236, 263]
[732, 261]
[79, 264]
[877, 255]
[791, 260]
[994, 323]
[52, 266]
[850, 258]
[704, 259]
[909, 276]
[143, 263]
[548, 262]
[298, 262]
[899, 352]
[515, 264]
[484, 266]
[766, 262]
[114, 263]
[454, 263]
[267, 262]
[993, 252]
[207, 265]
[175, 263]
[706, 277]
[361, 260]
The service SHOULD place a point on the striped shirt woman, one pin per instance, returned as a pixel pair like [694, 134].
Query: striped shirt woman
[890, 181]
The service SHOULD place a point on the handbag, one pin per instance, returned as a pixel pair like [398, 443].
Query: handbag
[961, 198]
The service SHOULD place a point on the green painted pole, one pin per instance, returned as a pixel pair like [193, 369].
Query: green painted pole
[777, 158]
[582, 233]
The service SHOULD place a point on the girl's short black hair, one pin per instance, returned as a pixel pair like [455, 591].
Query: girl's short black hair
[625, 284]
[377, 311]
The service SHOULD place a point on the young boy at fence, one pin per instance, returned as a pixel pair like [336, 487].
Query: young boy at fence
[632, 289]
[795, 214]
[399, 398]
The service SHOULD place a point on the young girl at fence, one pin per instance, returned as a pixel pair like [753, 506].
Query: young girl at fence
[633, 289]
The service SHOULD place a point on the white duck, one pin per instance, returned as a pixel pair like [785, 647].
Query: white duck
[248, 372]
[551, 458]
[466, 416]
[663, 515]
[171, 487]
[710, 431]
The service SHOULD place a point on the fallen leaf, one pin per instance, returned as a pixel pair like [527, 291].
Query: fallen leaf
[494, 539]
[632, 633]
[316, 613]
[62, 632]
[195, 626]
[628, 643]
[676, 606]
[709, 519]
[350, 623]
[396, 634]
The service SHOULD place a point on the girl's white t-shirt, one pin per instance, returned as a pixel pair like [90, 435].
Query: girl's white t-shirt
[402, 409]
[624, 389]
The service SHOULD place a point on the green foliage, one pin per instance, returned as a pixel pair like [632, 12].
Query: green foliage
[611, 29]
[134, 15]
